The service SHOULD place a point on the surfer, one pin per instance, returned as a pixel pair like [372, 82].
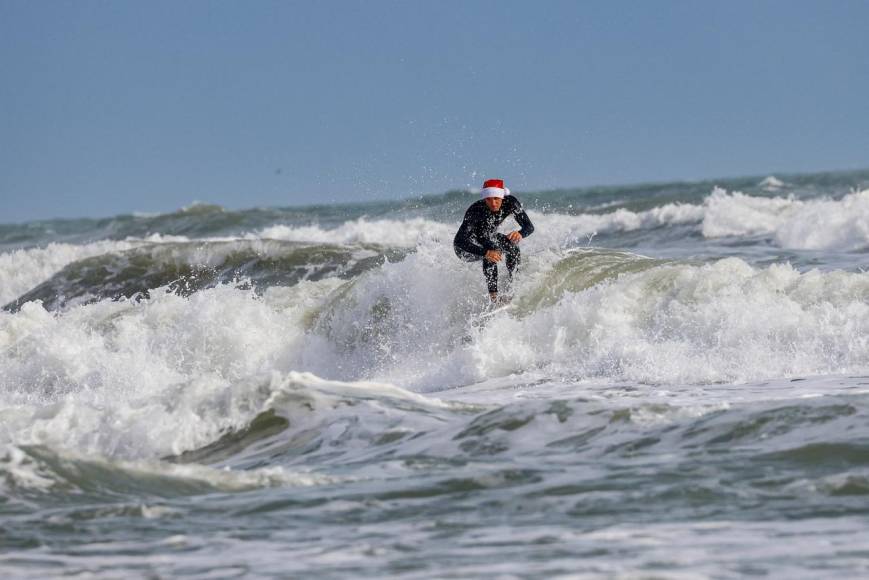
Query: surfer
[479, 240]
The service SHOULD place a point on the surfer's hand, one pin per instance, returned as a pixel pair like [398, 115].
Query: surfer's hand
[514, 237]
[493, 256]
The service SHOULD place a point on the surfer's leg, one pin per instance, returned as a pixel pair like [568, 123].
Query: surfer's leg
[490, 271]
[514, 257]
[466, 256]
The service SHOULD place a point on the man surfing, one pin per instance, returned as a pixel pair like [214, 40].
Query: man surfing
[478, 238]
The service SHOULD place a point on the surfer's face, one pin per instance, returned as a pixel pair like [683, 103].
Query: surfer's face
[494, 203]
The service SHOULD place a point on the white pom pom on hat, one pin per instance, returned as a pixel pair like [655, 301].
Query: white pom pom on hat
[494, 188]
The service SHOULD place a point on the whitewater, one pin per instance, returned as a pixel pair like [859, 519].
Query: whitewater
[679, 390]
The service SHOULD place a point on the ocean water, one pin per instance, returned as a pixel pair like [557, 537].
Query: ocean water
[681, 390]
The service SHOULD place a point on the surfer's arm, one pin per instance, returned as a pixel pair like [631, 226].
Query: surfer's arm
[465, 239]
[525, 225]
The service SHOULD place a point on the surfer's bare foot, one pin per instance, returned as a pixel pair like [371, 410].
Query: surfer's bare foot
[499, 300]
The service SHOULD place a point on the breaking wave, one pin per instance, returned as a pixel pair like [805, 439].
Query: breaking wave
[170, 373]
[818, 224]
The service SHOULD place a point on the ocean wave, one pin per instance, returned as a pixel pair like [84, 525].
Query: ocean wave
[150, 378]
[562, 230]
[552, 229]
[326, 425]
[21, 270]
[602, 314]
[818, 224]
[791, 223]
[721, 322]
[364, 231]
[794, 224]
[580, 314]
[771, 184]
[29, 469]
[132, 269]
[585, 313]
[174, 372]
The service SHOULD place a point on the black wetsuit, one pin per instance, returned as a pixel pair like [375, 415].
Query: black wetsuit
[479, 234]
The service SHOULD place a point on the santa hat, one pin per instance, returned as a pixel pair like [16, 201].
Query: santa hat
[494, 188]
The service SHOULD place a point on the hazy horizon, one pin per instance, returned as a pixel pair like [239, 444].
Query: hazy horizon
[303, 204]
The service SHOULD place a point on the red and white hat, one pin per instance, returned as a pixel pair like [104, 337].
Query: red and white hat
[494, 188]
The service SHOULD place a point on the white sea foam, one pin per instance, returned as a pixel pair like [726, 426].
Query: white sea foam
[672, 324]
[552, 228]
[558, 230]
[167, 239]
[308, 381]
[828, 225]
[737, 214]
[364, 231]
[724, 322]
[163, 375]
[819, 224]
[771, 183]
[138, 379]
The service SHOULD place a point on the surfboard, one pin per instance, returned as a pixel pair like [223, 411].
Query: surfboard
[496, 310]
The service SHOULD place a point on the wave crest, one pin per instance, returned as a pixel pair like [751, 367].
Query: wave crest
[823, 224]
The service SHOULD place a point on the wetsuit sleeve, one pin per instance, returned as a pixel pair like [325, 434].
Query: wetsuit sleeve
[523, 220]
[464, 239]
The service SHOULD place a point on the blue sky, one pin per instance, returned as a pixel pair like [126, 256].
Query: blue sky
[114, 107]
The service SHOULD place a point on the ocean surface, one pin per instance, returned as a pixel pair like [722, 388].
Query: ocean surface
[680, 389]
